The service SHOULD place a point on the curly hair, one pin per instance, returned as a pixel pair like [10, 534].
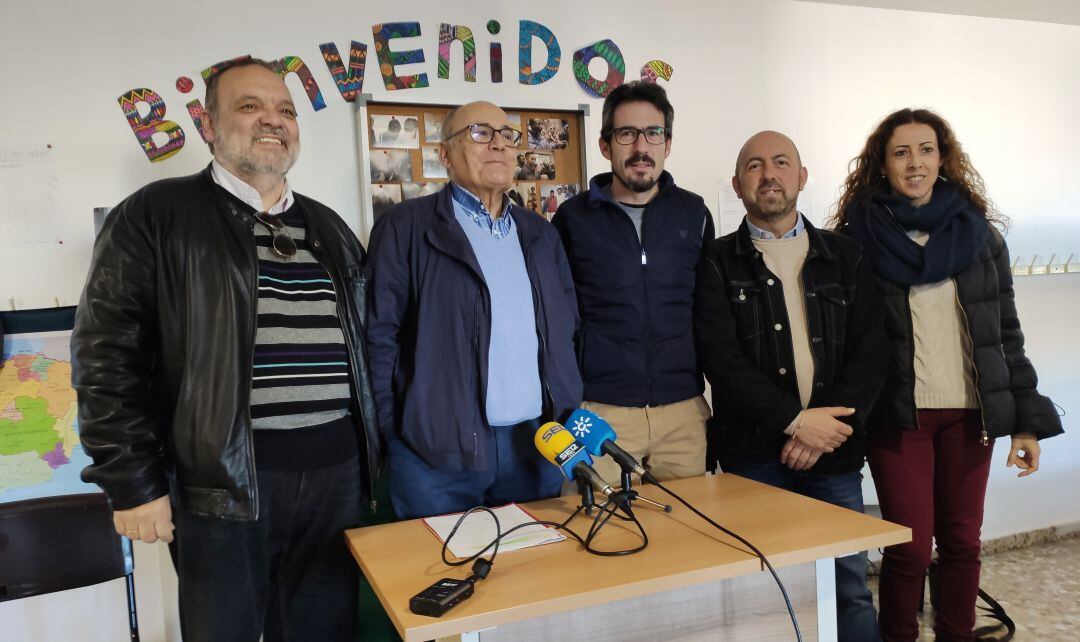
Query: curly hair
[865, 179]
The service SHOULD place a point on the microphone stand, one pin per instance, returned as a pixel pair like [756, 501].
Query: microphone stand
[588, 503]
[627, 494]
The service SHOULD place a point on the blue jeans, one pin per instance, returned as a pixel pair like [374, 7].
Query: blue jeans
[519, 474]
[856, 619]
[287, 576]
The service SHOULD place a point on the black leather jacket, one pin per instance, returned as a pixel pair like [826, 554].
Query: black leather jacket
[163, 344]
[744, 346]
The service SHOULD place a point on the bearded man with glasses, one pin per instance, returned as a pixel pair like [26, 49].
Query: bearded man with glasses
[470, 331]
[633, 240]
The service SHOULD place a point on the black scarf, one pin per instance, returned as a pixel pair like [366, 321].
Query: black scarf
[958, 231]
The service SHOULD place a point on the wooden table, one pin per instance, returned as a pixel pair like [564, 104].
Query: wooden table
[685, 553]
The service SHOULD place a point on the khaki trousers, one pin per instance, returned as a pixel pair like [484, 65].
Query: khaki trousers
[668, 440]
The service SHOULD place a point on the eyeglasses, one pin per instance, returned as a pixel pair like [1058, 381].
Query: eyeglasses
[484, 133]
[281, 244]
[629, 135]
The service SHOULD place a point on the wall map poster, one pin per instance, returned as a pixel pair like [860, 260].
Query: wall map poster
[40, 453]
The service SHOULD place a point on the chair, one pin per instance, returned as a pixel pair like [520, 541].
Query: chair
[59, 543]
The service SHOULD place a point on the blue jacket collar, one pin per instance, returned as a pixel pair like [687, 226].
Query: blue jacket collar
[473, 207]
[598, 194]
[447, 236]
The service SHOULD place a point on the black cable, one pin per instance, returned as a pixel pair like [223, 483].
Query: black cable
[482, 567]
[787, 600]
[997, 612]
[585, 542]
[495, 542]
[499, 534]
[597, 525]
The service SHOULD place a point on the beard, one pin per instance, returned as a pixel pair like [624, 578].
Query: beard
[773, 212]
[775, 208]
[254, 161]
[634, 184]
[252, 164]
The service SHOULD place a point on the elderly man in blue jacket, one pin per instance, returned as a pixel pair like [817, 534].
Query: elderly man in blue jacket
[470, 331]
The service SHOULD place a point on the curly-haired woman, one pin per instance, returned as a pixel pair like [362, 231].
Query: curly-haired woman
[959, 377]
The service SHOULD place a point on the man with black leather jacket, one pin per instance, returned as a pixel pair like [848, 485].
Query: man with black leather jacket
[222, 380]
[790, 334]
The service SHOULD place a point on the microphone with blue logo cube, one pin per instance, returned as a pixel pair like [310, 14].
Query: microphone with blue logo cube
[599, 438]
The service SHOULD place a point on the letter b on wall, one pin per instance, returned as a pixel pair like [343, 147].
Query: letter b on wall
[152, 123]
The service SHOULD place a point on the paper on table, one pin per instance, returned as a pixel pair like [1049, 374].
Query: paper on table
[478, 530]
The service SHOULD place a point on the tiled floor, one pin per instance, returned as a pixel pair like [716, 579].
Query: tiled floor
[1039, 587]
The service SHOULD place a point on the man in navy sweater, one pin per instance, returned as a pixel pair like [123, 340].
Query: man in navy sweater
[633, 240]
[470, 331]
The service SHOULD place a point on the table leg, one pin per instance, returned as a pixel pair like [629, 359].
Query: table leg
[825, 571]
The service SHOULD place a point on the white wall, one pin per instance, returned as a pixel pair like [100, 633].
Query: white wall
[822, 73]
[1004, 84]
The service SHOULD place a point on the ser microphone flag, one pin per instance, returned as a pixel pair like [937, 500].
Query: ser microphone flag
[560, 448]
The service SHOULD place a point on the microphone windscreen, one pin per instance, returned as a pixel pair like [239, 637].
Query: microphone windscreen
[560, 448]
[590, 429]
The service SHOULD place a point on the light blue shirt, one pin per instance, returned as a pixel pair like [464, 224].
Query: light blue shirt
[474, 209]
[513, 384]
[758, 233]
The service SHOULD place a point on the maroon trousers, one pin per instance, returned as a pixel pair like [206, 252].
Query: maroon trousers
[932, 480]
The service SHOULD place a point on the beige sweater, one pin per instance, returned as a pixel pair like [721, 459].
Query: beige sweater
[785, 259]
[944, 371]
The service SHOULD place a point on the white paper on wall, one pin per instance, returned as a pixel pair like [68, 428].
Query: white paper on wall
[28, 196]
[730, 210]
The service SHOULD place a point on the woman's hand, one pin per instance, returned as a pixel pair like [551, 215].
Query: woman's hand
[1028, 462]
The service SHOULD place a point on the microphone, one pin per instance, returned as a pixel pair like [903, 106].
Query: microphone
[559, 447]
[599, 439]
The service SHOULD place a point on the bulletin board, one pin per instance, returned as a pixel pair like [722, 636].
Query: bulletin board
[399, 158]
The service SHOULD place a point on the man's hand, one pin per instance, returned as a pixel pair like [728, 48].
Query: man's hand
[1026, 443]
[819, 429]
[148, 523]
[798, 456]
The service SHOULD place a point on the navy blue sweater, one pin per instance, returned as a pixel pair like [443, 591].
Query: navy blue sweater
[635, 346]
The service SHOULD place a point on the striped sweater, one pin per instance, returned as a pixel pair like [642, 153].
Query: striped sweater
[300, 372]
[300, 369]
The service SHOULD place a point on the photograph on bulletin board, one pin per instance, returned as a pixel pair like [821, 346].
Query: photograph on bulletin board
[383, 197]
[433, 167]
[548, 133]
[432, 127]
[535, 165]
[552, 195]
[416, 190]
[390, 165]
[395, 130]
[402, 154]
[520, 193]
